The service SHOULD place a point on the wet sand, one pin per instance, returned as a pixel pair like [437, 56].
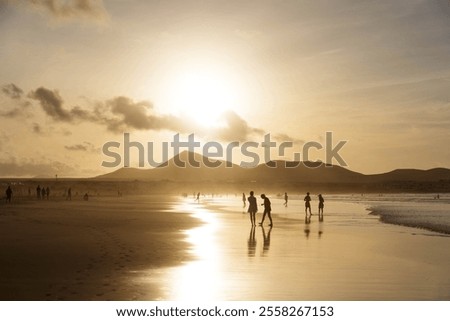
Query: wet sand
[349, 256]
[94, 250]
[147, 248]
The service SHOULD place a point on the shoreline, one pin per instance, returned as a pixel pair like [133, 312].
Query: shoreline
[350, 256]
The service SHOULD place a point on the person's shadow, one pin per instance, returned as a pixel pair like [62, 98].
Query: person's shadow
[251, 243]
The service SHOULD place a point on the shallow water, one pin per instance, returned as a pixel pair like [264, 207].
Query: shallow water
[349, 256]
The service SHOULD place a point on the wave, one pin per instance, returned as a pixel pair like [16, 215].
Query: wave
[433, 217]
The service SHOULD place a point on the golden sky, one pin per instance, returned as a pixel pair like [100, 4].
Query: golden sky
[76, 74]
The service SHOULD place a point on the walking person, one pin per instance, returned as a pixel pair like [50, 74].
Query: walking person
[321, 201]
[267, 210]
[252, 208]
[69, 194]
[8, 193]
[38, 192]
[285, 199]
[307, 200]
[243, 199]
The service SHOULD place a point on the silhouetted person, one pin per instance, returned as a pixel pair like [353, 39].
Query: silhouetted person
[321, 201]
[267, 210]
[86, 197]
[266, 238]
[38, 192]
[47, 192]
[69, 194]
[8, 193]
[243, 199]
[43, 193]
[285, 199]
[251, 243]
[198, 197]
[252, 208]
[307, 200]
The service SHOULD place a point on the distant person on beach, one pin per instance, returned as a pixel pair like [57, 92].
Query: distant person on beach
[307, 200]
[86, 197]
[38, 192]
[29, 191]
[8, 193]
[43, 193]
[285, 199]
[321, 201]
[48, 192]
[69, 194]
[267, 210]
[198, 197]
[252, 208]
[243, 199]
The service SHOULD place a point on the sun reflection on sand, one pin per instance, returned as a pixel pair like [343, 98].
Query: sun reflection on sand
[201, 279]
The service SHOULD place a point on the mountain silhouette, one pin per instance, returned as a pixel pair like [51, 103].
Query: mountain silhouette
[277, 171]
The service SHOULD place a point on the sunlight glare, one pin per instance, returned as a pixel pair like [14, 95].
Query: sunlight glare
[204, 93]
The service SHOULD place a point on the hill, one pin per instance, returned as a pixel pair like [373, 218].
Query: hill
[192, 168]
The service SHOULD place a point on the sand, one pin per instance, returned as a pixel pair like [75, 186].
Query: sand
[94, 250]
[148, 248]
[349, 256]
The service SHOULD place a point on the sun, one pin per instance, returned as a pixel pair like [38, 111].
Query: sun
[203, 93]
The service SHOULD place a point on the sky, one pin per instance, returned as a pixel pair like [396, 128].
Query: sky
[77, 74]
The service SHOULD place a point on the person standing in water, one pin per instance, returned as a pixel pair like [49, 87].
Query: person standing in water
[285, 199]
[307, 200]
[267, 209]
[321, 201]
[252, 208]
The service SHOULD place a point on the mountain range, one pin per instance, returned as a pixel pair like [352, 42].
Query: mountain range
[273, 172]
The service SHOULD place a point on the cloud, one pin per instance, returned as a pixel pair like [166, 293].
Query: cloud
[287, 138]
[131, 114]
[85, 147]
[122, 113]
[15, 96]
[68, 9]
[51, 102]
[236, 128]
[12, 91]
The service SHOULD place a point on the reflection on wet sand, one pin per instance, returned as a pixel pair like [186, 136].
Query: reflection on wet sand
[266, 238]
[233, 263]
[251, 242]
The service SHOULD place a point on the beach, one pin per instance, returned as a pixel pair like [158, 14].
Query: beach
[88, 250]
[177, 249]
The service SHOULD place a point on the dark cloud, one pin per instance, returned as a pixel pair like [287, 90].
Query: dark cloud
[52, 103]
[68, 9]
[20, 105]
[12, 91]
[131, 114]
